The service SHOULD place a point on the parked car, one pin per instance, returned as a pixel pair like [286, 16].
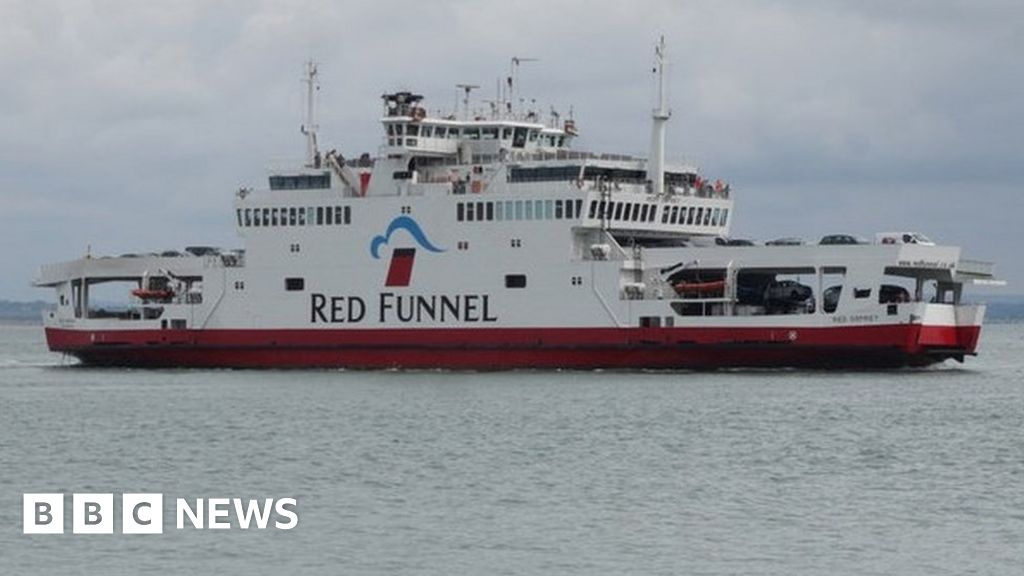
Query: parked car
[202, 250]
[786, 292]
[903, 238]
[785, 242]
[841, 239]
[739, 242]
[890, 293]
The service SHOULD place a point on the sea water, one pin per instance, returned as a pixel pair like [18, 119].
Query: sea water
[532, 472]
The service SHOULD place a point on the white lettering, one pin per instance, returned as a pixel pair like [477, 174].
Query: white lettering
[218, 508]
[253, 510]
[281, 508]
[195, 517]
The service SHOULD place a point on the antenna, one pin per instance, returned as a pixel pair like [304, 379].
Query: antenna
[309, 128]
[513, 78]
[467, 88]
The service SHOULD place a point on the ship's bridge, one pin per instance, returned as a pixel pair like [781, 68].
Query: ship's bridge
[411, 131]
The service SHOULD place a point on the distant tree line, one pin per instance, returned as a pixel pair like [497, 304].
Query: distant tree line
[22, 310]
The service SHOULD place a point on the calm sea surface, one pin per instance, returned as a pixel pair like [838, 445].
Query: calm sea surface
[568, 473]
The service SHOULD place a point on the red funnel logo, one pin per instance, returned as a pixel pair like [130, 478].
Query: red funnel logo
[400, 270]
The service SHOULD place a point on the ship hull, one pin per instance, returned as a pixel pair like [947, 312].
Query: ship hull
[876, 346]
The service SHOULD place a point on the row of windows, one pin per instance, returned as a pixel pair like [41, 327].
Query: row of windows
[301, 182]
[591, 173]
[518, 210]
[294, 216]
[637, 212]
[697, 216]
[518, 135]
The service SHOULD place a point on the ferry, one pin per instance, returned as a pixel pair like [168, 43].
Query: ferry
[485, 241]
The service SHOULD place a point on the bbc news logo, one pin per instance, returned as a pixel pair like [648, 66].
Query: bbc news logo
[143, 513]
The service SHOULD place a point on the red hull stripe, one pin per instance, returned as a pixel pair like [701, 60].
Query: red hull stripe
[474, 348]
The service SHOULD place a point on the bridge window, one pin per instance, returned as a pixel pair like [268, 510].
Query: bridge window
[528, 205]
[519, 137]
[725, 217]
[460, 212]
[301, 182]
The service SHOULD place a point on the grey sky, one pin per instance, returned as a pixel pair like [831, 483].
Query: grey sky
[128, 125]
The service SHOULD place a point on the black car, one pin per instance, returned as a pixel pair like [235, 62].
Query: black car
[841, 240]
[785, 242]
[890, 293]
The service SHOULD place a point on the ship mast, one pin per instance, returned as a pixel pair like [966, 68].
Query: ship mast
[513, 84]
[659, 118]
[309, 128]
[467, 88]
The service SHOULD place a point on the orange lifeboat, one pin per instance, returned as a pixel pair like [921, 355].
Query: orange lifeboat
[700, 288]
[149, 294]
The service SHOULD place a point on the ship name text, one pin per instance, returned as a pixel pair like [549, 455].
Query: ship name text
[403, 308]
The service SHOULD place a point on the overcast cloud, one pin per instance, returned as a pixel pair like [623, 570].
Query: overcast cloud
[128, 125]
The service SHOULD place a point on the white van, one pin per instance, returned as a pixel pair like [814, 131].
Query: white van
[902, 238]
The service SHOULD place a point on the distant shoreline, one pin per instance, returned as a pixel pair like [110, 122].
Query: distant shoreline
[21, 322]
